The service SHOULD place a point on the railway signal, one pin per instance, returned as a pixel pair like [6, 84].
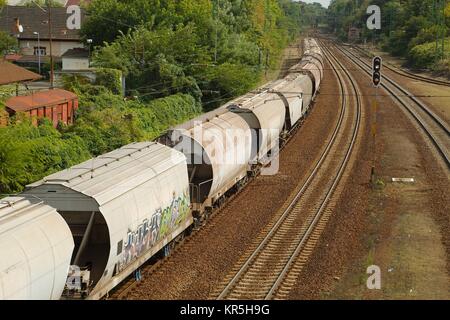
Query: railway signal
[376, 80]
[376, 71]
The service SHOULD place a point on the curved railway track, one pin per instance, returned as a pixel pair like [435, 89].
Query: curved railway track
[270, 269]
[405, 73]
[434, 127]
[123, 290]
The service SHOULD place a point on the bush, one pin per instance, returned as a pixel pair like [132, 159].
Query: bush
[230, 80]
[426, 56]
[110, 79]
[160, 114]
[106, 122]
[28, 153]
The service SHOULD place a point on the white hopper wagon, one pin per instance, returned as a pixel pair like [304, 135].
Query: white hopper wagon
[122, 208]
[36, 246]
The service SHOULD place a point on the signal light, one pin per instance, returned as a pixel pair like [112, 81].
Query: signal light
[376, 78]
[376, 71]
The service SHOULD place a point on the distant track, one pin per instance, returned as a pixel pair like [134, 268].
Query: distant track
[270, 269]
[405, 73]
[434, 127]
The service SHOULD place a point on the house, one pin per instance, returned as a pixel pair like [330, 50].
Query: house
[354, 34]
[22, 2]
[56, 105]
[75, 59]
[64, 3]
[34, 38]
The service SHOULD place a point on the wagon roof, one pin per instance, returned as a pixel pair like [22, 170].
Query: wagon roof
[40, 99]
[117, 172]
[20, 210]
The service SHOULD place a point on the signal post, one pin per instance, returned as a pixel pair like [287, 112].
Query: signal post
[376, 81]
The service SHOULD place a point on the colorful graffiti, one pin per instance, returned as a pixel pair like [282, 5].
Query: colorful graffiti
[150, 232]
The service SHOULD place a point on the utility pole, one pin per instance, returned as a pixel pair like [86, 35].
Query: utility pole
[39, 50]
[50, 40]
[443, 28]
[216, 16]
[266, 16]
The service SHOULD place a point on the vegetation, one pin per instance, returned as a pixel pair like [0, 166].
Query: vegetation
[7, 43]
[28, 153]
[225, 49]
[178, 57]
[409, 28]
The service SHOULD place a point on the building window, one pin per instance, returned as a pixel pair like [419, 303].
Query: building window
[41, 50]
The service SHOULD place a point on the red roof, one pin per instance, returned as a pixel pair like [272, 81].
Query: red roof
[12, 57]
[10, 73]
[40, 99]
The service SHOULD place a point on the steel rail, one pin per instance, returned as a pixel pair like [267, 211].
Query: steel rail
[442, 150]
[276, 227]
[406, 73]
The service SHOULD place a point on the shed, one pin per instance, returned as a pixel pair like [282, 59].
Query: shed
[56, 105]
[10, 73]
[75, 59]
[35, 246]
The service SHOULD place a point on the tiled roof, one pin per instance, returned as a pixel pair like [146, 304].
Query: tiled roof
[76, 53]
[33, 19]
[10, 73]
[77, 2]
[40, 99]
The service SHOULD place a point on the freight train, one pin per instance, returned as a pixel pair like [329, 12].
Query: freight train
[78, 233]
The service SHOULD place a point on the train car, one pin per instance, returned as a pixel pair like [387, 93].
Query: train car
[112, 213]
[36, 247]
[265, 114]
[122, 208]
[296, 91]
[217, 148]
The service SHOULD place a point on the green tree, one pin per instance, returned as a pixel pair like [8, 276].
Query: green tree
[7, 43]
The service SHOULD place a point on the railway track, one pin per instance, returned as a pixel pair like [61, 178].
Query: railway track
[405, 73]
[272, 265]
[433, 126]
[130, 285]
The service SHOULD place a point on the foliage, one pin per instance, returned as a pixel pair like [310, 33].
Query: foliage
[179, 57]
[405, 26]
[110, 79]
[7, 43]
[42, 3]
[106, 121]
[426, 56]
[142, 39]
[28, 153]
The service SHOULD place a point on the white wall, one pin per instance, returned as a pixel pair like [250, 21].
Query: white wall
[75, 63]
